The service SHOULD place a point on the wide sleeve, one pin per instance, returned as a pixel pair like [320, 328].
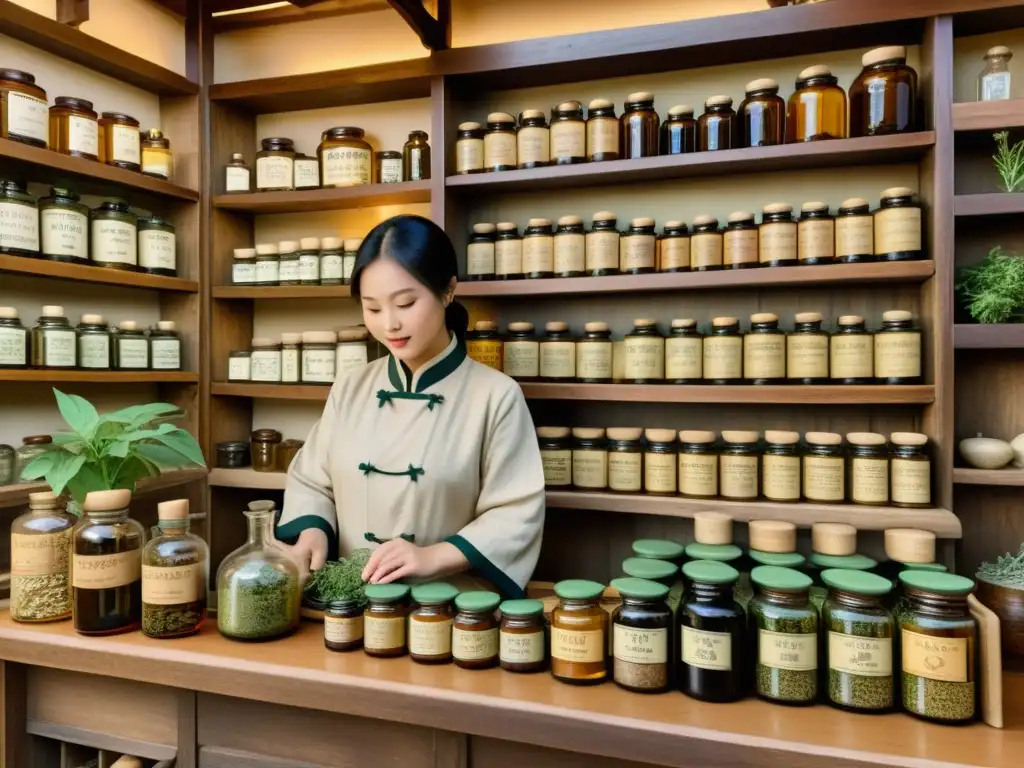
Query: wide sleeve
[503, 541]
[309, 492]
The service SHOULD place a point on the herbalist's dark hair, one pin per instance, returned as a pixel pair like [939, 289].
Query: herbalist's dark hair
[423, 250]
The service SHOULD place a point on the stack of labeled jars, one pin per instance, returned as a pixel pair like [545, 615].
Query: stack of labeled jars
[310, 357]
[307, 261]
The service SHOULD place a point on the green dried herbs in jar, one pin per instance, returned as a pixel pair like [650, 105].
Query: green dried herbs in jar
[857, 639]
[784, 624]
[40, 549]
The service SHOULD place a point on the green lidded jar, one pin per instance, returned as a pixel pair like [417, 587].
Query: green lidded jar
[857, 635]
[784, 625]
[719, 553]
[579, 633]
[430, 622]
[522, 646]
[384, 620]
[475, 641]
[64, 227]
[641, 636]
[780, 559]
[662, 571]
[712, 634]
[114, 239]
[15, 343]
[94, 348]
[54, 341]
[659, 549]
[19, 220]
[939, 646]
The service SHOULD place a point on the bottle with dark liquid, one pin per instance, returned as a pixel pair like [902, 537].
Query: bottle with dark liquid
[762, 115]
[716, 128]
[883, 98]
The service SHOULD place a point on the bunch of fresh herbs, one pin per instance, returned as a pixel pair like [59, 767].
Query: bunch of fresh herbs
[993, 290]
[1006, 571]
[339, 580]
[1009, 161]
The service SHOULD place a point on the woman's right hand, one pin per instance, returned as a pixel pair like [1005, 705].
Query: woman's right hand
[309, 551]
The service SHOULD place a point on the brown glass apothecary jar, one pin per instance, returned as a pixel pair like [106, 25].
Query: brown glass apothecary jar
[639, 127]
[883, 97]
[74, 128]
[817, 108]
[568, 134]
[740, 241]
[522, 639]
[706, 244]
[385, 619]
[602, 131]
[430, 622]
[717, 127]
[579, 633]
[416, 157]
[23, 116]
[120, 141]
[475, 638]
[679, 131]
[762, 115]
[265, 443]
[346, 157]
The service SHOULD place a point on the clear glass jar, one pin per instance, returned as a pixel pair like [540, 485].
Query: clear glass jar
[740, 242]
[579, 633]
[268, 264]
[243, 266]
[15, 344]
[660, 462]
[538, 249]
[639, 127]
[353, 350]
[780, 466]
[816, 235]
[644, 353]
[483, 344]
[855, 232]
[764, 350]
[824, 468]
[266, 360]
[19, 219]
[898, 349]
[500, 142]
[275, 165]
[817, 108]
[723, 352]
[589, 459]
[557, 353]
[288, 263]
[309, 261]
[533, 140]
[332, 261]
[54, 341]
[641, 636]
[233, 454]
[385, 620]
[868, 472]
[594, 354]
[319, 357]
[165, 347]
[718, 127]
[480, 253]
[673, 252]
[348, 260]
[258, 589]
[240, 365]
[390, 167]
[521, 353]
[762, 115]
[883, 97]
[568, 134]
[74, 128]
[114, 235]
[706, 244]
[157, 160]
[291, 358]
[698, 464]
[120, 141]
[739, 465]
[23, 115]
[131, 347]
[508, 252]
[64, 227]
[106, 566]
[475, 641]
[994, 80]
[777, 236]
[679, 131]
[602, 131]
[307, 172]
[625, 460]
[784, 627]
[430, 622]
[522, 637]
[31, 448]
[898, 226]
[910, 470]
[638, 248]
[343, 625]
[556, 456]
[175, 571]
[807, 350]
[237, 175]
[157, 252]
[712, 666]
[684, 353]
[851, 352]
[40, 558]
[95, 352]
[602, 245]
[469, 148]
[416, 157]
[570, 247]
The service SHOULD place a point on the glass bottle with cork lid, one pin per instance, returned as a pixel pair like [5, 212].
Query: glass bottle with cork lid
[268, 264]
[739, 465]
[40, 556]
[556, 456]
[679, 131]
[740, 241]
[569, 247]
[898, 349]
[288, 262]
[883, 97]
[237, 175]
[718, 127]
[332, 261]
[625, 459]
[158, 247]
[645, 353]
[94, 348]
[816, 110]
[157, 160]
[910, 470]
[777, 236]
[538, 249]
[602, 131]
[24, 116]
[521, 637]
[855, 232]
[661, 462]
[120, 141]
[816, 235]
[114, 235]
[508, 252]
[723, 352]
[309, 261]
[637, 247]
[175, 567]
[390, 167]
[19, 235]
[762, 115]
[641, 636]
[684, 352]
[483, 344]
[475, 641]
[868, 473]
[106, 567]
[852, 352]
[824, 468]
[807, 350]
[307, 172]
[346, 157]
[589, 459]
[594, 354]
[480, 253]
[698, 464]
[579, 633]
[773, 542]
[994, 80]
[521, 352]
[533, 140]
[557, 353]
[469, 148]
[15, 343]
[602, 245]
[898, 226]
[64, 227]
[430, 622]
[54, 341]
[639, 126]
[416, 157]
[385, 619]
[500, 142]
[74, 128]
[266, 360]
[780, 466]
[706, 244]
[712, 630]
[764, 350]
[834, 545]
[785, 627]
[131, 347]
[568, 134]
[673, 252]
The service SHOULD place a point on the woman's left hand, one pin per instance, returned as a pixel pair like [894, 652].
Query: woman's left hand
[399, 559]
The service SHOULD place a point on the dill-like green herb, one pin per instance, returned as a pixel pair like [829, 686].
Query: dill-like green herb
[340, 580]
[1009, 161]
[1007, 570]
[993, 290]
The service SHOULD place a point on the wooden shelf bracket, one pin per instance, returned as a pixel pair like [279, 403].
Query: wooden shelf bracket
[434, 33]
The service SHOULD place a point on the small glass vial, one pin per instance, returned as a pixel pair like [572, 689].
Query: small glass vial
[816, 235]
[319, 357]
[777, 236]
[508, 252]
[74, 128]
[594, 354]
[121, 141]
[275, 165]
[570, 248]
[660, 462]
[679, 131]
[240, 365]
[521, 637]
[589, 459]
[291, 358]
[346, 157]
[557, 353]
[309, 261]
[824, 469]
[785, 623]
[157, 160]
[556, 456]
[883, 97]
[469, 148]
[740, 242]
[264, 447]
[350, 251]
[717, 128]
[430, 622]
[807, 351]
[268, 264]
[14, 340]
[625, 460]
[568, 134]
[131, 347]
[723, 352]
[343, 625]
[483, 344]
[910, 470]
[521, 352]
[19, 224]
[855, 232]
[533, 140]
[868, 468]
[897, 349]
[288, 262]
[579, 633]
[416, 157]
[538, 249]
[898, 226]
[332, 261]
[817, 108]
[706, 244]
[764, 350]
[40, 554]
[475, 641]
[385, 619]
[712, 634]
[602, 131]
[641, 636]
[480, 253]
[64, 227]
[644, 354]
[266, 360]
[94, 348]
[994, 80]
[114, 235]
[500, 142]
[165, 347]
[780, 466]
[54, 341]
[684, 353]
[638, 248]
[852, 352]
[698, 464]
[673, 253]
[602, 245]
[237, 175]
[739, 466]
[307, 172]
[639, 127]
[243, 266]
[762, 115]
[23, 118]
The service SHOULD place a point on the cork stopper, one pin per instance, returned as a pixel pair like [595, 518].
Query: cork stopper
[600, 104]
[909, 545]
[885, 53]
[674, 224]
[814, 207]
[533, 114]
[166, 325]
[485, 325]
[838, 539]
[712, 528]
[556, 326]
[853, 202]
[309, 243]
[764, 317]
[997, 50]
[633, 98]
[893, 192]
[680, 110]
[913, 439]
[500, 117]
[351, 244]
[53, 310]
[92, 319]
[520, 327]
[817, 70]
[722, 322]
[353, 333]
[8, 313]
[807, 317]
[569, 221]
[470, 126]
[737, 216]
[128, 325]
[587, 433]
[319, 337]
[740, 436]
[850, 320]
[43, 500]
[643, 221]
[483, 229]
[698, 436]
[263, 341]
[823, 438]
[107, 501]
[596, 326]
[762, 84]
[624, 433]
[684, 322]
[539, 223]
[896, 316]
[266, 249]
[777, 208]
[660, 435]
[780, 437]
[261, 506]
[330, 243]
[291, 338]
[287, 246]
[172, 510]
[644, 322]
[718, 101]
[245, 253]
[552, 433]
[772, 536]
[865, 438]
[703, 219]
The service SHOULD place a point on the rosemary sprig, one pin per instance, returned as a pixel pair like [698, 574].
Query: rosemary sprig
[1007, 570]
[1009, 161]
[993, 290]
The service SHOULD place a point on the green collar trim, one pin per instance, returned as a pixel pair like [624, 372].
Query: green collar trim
[438, 369]
[413, 472]
[289, 532]
[384, 397]
[372, 538]
[487, 569]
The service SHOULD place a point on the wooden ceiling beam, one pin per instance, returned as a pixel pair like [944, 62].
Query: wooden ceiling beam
[290, 13]
[434, 33]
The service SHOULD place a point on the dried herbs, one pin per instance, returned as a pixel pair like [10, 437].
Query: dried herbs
[785, 624]
[174, 576]
[340, 580]
[257, 605]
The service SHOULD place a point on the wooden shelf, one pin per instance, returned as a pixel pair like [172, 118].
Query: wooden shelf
[46, 166]
[101, 275]
[248, 478]
[988, 115]
[994, 336]
[303, 201]
[282, 292]
[989, 204]
[14, 495]
[272, 391]
[100, 377]
[870, 150]
[894, 272]
[970, 476]
[71, 44]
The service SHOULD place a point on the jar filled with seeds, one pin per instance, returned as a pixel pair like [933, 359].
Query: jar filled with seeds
[641, 636]
[40, 552]
[784, 624]
[712, 632]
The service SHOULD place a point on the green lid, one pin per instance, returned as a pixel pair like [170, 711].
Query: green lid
[858, 582]
[710, 571]
[781, 559]
[434, 592]
[578, 589]
[721, 552]
[937, 583]
[657, 549]
[477, 601]
[641, 589]
[522, 607]
[846, 562]
[780, 579]
[386, 593]
[934, 567]
[645, 568]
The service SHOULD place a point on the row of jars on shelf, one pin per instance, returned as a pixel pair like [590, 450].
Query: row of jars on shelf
[883, 100]
[61, 228]
[854, 235]
[72, 127]
[307, 261]
[265, 451]
[311, 357]
[765, 354]
[867, 469]
[91, 345]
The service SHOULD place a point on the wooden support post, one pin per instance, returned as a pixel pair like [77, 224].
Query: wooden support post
[434, 33]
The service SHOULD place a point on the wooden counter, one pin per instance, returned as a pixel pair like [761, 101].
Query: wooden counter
[533, 710]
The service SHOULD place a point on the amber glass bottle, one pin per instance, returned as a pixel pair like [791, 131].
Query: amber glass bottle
[706, 244]
[639, 126]
[740, 242]
[816, 235]
[817, 108]
[762, 115]
[883, 98]
[717, 127]
[764, 350]
[579, 633]
[602, 131]
[679, 131]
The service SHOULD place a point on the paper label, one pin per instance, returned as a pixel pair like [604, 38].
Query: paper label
[290, 366]
[64, 232]
[594, 359]
[346, 167]
[684, 357]
[675, 253]
[106, 571]
[173, 586]
[288, 271]
[558, 360]
[807, 356]
[474, 646]
[351, 357]
[640, 646]
[156, 162]
[618, 360]
[579, 646]
[852, 356]
[114, 242]
[486, 351]
[347, 630]
[781, 477]
[480, 259]
[706, 250]
[534, 145]
[522, 359]
[348, 265]
[319, 365]
[331, 267]
[40, 555]
[307, 174]
[538, 253]
[645, 357]
[660, 472]
[430, 638]
[157, 249]
[570, 253]
[855, 235]
[19, 226]
[740, 246]
[469, 155]
[60, 349]
[870, 480]
[764, 356]
[166, 354]
[236, 179]
[508, 257]
[739, 477]
[625, 471]
[911, 481]
[268, 272]
[707, 650]
[816, 239]
[240, 369]
[83, 135]
[781, 650]
[935, 658]
[390, 170]
[499, 150]
[568, 139]
[13, 346]
[590, 468]
[864, 656]
[133, 353]
[723, 357]
[638, 251]
[309, 267]
[275, 173]
[777, 242]
[897, 355]
[94, 351]
[897, 229]
[995, 86]
[698, 474]
[557, 467]
[824, 478]
[521, 649]
[602, 136]
[27, 117]
[266, 366]
[383, 634]
[602, 250]
[126, 144]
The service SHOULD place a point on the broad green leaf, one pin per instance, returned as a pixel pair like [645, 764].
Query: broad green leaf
[40, 465]
[118, 448]
[162, 457]
[138, 415]
[143, 434]
[78, 413]
[59, 476]
[86, 481]
[62, 438]
[183, 443]
[109, 430]
[131, 471]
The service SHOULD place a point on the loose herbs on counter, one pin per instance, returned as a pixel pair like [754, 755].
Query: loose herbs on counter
[338, 580]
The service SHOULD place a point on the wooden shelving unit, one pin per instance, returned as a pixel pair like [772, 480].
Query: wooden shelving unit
[301, 201]
[988, 115]
[996, 336]
[16, 495]
[100, 275]
[268, 292]
[1004, 477]
[101, 377]
[989, 204]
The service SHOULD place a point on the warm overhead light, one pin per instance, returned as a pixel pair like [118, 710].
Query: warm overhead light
[253, 9]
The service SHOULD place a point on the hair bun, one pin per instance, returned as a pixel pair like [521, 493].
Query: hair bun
[456, 319]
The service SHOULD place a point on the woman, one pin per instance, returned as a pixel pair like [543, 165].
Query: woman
[426, 453]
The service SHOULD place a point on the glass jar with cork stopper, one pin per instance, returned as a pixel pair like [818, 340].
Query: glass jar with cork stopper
[94, 348]
[824, 468]
[898, 349]
[40, 554]
[739, 465]
[706, 244]
[679, 131]
[816, 235]
[521, 353]
[868, 470]
[994, 80]
[175, 571]
[625, 459]
[602, 131]
[469, 148]
[508, 252]
[533, 140]
[556, 456]
[538, 249]
[660, 462]
[594, 354]
[15, 343]
[698, 464]
[910, 470]
[740, 241]
[777, 236]
[855, 232]
[602, 245]
[557, 353]
[834, 545]
[852, 352]
[718, 127]
[157, 160]
[579, 633]
[480, 253]
[764, 350]
[483, 344]
[500, 142]
[589, 459]
[807, 350]
[644, 353]
[637, 247]
[684, 352]
[723, 352]
[54, 341]
[897, 223]
[570, 247]
[817, 108]
[309, 261]
[762, 115]
[568, 134]
[639, 127]
[288, 262]
[237, 175]
[883, 97]
[780, 467]
[673, 253]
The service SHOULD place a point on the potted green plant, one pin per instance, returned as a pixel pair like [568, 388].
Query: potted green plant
[1001, 588]
[113, 450]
